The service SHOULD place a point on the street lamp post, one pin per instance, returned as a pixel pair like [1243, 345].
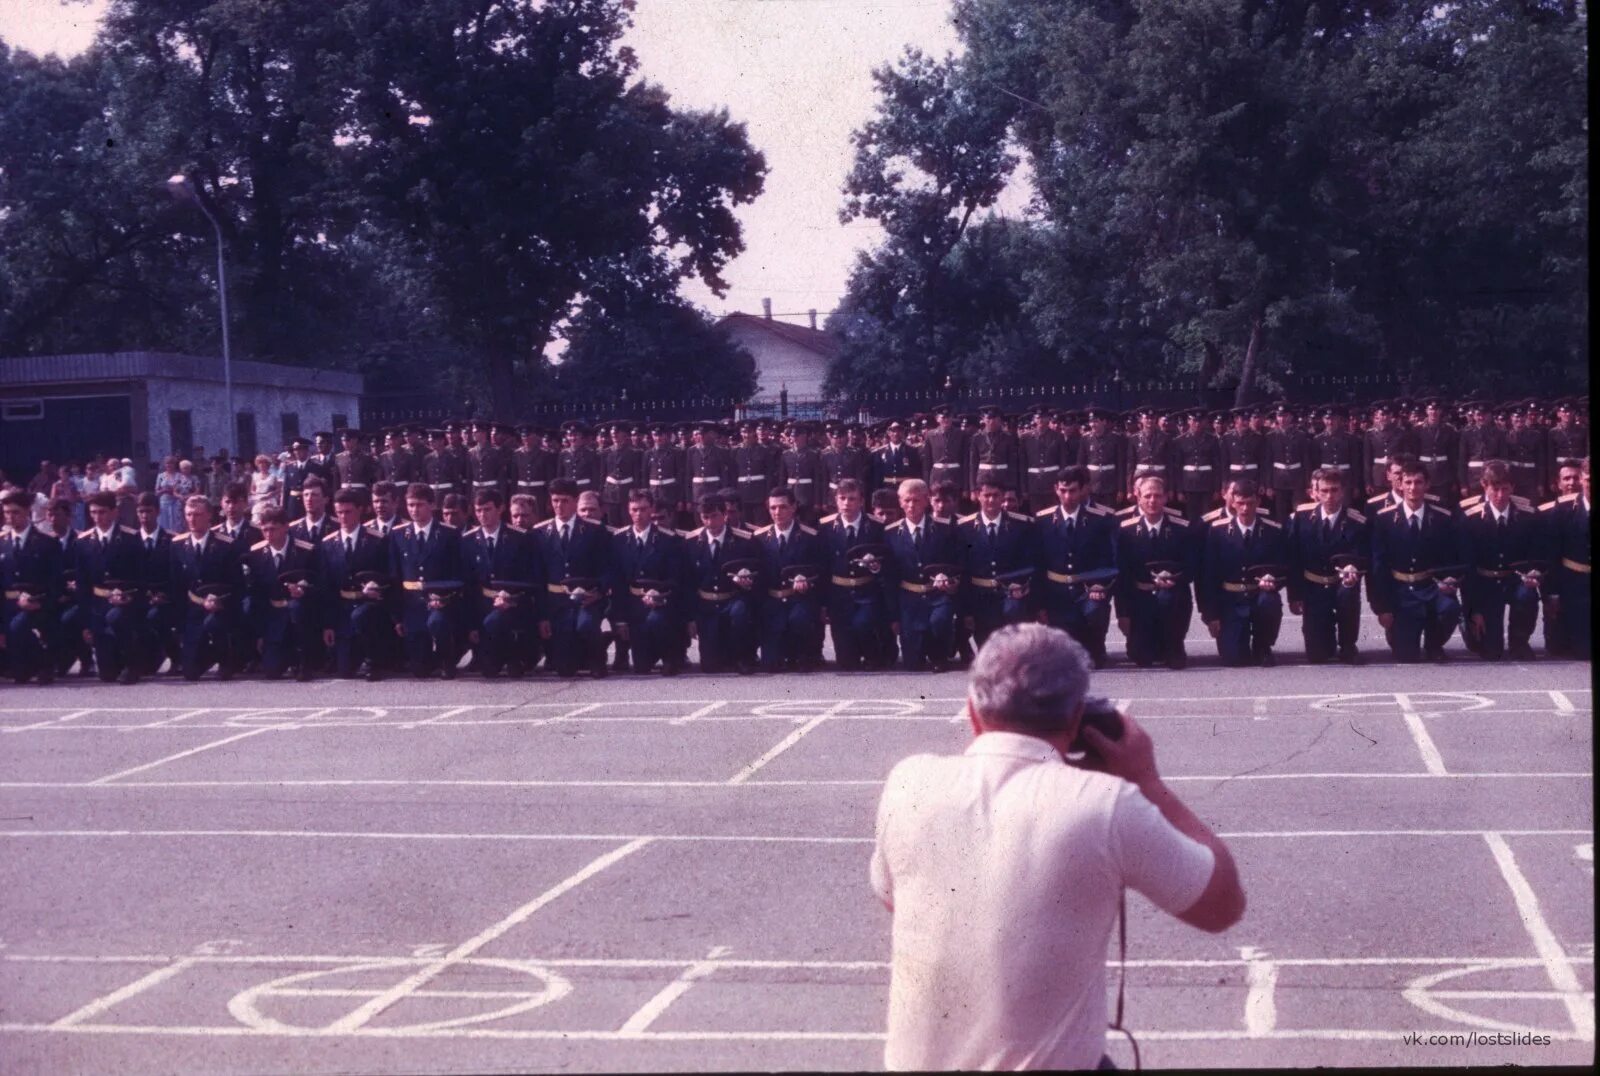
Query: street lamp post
[182, 188]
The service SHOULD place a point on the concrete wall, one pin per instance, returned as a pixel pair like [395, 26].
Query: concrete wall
[208, 414]
[781, 364]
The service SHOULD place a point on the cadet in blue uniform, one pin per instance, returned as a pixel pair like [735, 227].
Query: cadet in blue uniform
[1500, 541]
[649, 587]
[861, 583]
[30, 565]
[1566, 536]
[155, 582]
[206, 581]
[1416, 571]
[727, 603]
[288, 615]
[356, 578]
[1238, 595]
[1157, 558]
[1077, 548]
[998, 561]
[794, 565]
[1329, 546]
[574, 551]
[505, 584]
[424, 553]
[108, 553]
[927, 553]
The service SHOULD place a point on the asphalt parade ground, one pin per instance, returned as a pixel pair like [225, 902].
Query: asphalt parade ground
[672, 874]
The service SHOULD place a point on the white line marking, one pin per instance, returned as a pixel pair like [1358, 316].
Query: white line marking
[116, 997]
[1556, 965]
[182, 716]
[566, 715]
[73, 716]
[1563, 704]
[648, 1012]
[784, 744]
[436, 718]
[1261, 1004]
[182, 754]
[1337, 1034]
[1419, 732]
[708, 708]
[731, 838]
[359, 1017]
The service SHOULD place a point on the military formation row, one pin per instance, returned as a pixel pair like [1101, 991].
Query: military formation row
[1197, 452]
[364, 594]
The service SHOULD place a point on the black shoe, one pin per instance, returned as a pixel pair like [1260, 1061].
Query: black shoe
[490, 674]
[1435, 655]
[46, 677]
[1266, 660]
[1101, 660]
[448, 672]
[747, 668]
[224, 673]
[1523, 653]
[671, 668]
[127, 676]
[1178, 662]
[373, 674]
[513, 670]
[302, 676]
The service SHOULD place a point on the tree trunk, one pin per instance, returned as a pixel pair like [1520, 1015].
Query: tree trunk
[1210, 364]
[502, 383]
[1247, 374]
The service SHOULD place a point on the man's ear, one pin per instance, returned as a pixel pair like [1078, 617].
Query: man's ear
[972, 716]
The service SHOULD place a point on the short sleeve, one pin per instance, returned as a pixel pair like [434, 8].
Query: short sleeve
[882, 880]
[1154, 857]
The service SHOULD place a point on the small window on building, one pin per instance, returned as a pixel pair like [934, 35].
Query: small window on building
[180, 425]
[291, 426]
[22, 410]
[245, 424]
[340, 422]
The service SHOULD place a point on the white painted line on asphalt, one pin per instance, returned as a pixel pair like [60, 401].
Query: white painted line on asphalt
[182, 754]
[707, 709]
[116, 997]
[1419, 733]
[1507, 995]
[1261, 1003]
[1337, 1034]
[567, 715]
[73, 716]
[182, 716]
[1563, 704]
[435, 719]
[729, 838]
[359, 1017]
[651, 1010]
[380, 782]
[1556, 965]
[744, 775]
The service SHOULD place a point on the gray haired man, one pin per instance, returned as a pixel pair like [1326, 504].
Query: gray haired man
[1004, 866]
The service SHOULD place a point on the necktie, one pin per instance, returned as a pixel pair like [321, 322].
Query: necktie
[566, 533]
[1070, 521]
[277, 561]
[349, 545]
[713, 548]
[150, 544]
[1416, 525]
[1500, 523]
[783, 543]
[1327, 528]
[491, 548]
[993, 529]
[916, 538]
[640, 539]
[849, 536]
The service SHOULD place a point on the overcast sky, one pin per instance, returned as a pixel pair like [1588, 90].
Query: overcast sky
[798, 72]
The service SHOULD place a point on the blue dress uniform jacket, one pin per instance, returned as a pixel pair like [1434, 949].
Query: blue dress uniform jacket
[288, 629]
[208, 638]
[893, 464]
[1066, 551]
[992, 567]
[511, 557]
[1403, 582]
[1331, 620]
[655, 633]
[1492, 587]
[31, 559]
[726, 616]
[1158, 619]
[859, 608]
[791, 623]
[362, 629]
[419, 556]
[927, 617]
[163, 611]
[1249, 616]
[1566, 549]
[116, 630]
[305, 530]
[574, 627]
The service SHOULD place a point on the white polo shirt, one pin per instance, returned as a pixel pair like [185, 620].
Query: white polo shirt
[1003, 868]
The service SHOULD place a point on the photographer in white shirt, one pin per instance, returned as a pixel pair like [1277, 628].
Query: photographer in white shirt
[1003, 868]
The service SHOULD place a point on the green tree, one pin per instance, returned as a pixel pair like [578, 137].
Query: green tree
[648, 348]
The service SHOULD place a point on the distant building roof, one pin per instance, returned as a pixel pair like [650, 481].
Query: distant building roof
[823, 343]
[137, 365]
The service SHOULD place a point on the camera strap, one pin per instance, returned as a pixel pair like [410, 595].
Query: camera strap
[1122, 974]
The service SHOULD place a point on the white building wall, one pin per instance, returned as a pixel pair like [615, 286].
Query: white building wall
[781, 364]
[208, 412]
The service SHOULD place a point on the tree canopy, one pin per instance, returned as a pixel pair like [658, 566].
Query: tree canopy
[425, 190]
[1240, 190]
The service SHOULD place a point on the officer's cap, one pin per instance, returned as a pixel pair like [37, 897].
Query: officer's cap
[991, 411]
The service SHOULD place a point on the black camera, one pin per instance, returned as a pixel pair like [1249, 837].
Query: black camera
[1100, 715]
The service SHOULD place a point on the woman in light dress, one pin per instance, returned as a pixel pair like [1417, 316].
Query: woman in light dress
[266, 489]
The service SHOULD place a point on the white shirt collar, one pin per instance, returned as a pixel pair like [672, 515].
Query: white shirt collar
[1406, 508]
[22, 535]
[200, 542]
[279, 551]
[1013, 745]
[1074, 515]
[105, 536]
[719, 537]
[1156, 526]
[348, 536]
[987, 522]
[1329, 517]
[843, 522]
[787, 534]
[1498, 513]
[641, 535]
[491, 535]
